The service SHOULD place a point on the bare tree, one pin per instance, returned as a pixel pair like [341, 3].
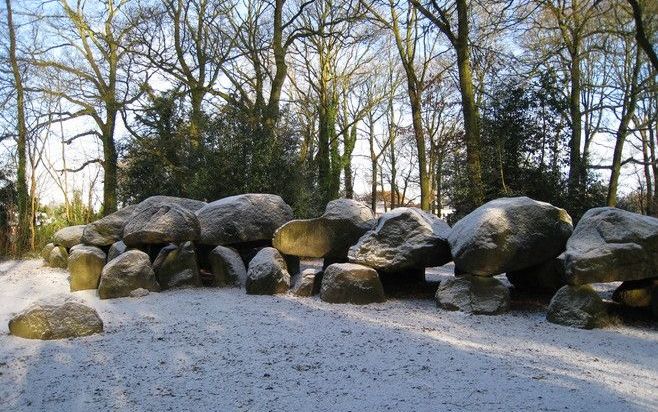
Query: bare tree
[443, 16]
[91, 52]
[21, 136]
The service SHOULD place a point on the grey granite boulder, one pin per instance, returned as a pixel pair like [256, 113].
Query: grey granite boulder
[508, 234]
[610, 245]
[45, 252]
[116, 249]
[157, 201]
[161, 224]
[176, 266]
[227, 267]
[473, 294]
[351, 283]
[109, 229]
[577, 306]
[403, 238]
[127, 272]
[244, 218]
[267, 273]
[69, 236]
[307, 283]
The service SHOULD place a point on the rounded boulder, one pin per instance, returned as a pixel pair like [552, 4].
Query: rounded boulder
[473, 294]
[161, 224]
[403, 238]
[578, 307]
[129, 271]
[56, 321]
[69, 236]
[267, 273]
[508, 234]
[351, 283]
[243, 218]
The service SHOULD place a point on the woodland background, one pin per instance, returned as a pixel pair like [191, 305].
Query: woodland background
[438, 104]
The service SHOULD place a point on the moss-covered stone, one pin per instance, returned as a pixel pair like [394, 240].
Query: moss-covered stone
[85, 265]
[577, 306]
[47, 321]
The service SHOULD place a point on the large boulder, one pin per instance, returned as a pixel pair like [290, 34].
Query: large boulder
[157, 201]
[244, 218]
[56, 321]
[227, 267]
[635, 293]
[109, 229]
[577, 306]
[176, 265]
[508, 234]
[473, 294]
[403, 238]
[160, 224]
[267, 273]
[116, 249]
[546, 277]
[351, 283]
[69, 236]
[58, 258]
[328, 236]
[129, 271]
[610, 245]
[85, 266]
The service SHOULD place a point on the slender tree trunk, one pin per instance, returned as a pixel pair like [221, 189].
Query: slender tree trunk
[419, 135]
[33, 208]
[439, 184]
[21, 177]
[654, 166]
[647, 172]
[109, 165]
[373, 163]
[622, 131]
[394, 177]
[381, 181]
[349, 145]
[575, 113]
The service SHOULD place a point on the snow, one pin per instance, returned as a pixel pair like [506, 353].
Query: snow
[219, 349]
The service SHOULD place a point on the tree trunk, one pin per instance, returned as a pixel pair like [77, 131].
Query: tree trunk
[647, 172]
[373, 162]
[439, 184]
[469, 109]
[575, 113]
[630, 101]
[348, 149]
[196, 117]
[272, 113]
[109, 165]
[419, 135]
[21, 145]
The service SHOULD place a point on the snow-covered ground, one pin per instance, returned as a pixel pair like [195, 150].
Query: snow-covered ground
[219, 349]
